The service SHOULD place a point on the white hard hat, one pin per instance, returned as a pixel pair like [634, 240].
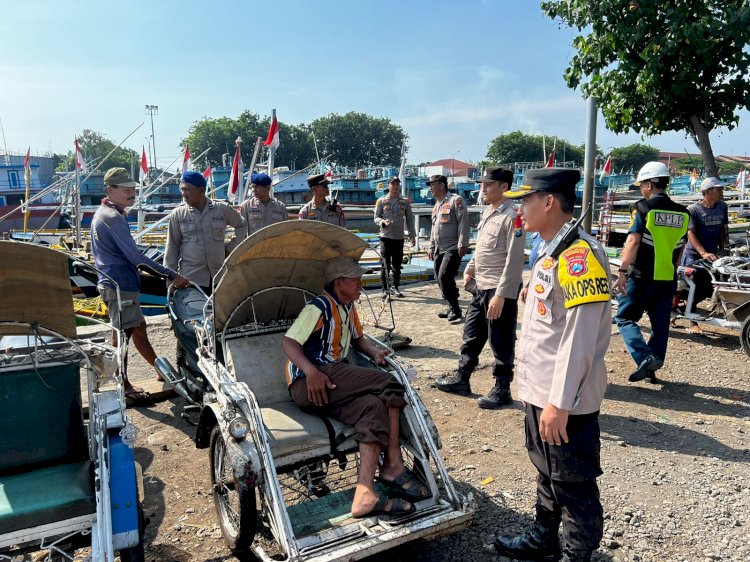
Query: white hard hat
[651, 170]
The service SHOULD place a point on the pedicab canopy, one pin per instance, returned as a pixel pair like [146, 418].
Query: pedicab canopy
[35, 288]
[286, 254]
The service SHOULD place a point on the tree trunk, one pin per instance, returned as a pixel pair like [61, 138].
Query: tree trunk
[700, 136]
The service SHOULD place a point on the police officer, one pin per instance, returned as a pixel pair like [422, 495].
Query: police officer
[449, 241]
[497, 268]
[320, 208]
[647, 276]
[392, 213]
[261, 209]
[561, 373]
[196, 245]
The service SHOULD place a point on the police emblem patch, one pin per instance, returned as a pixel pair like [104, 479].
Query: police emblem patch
[538, 288]
[575, 261]
[541, 308]
[548, 263]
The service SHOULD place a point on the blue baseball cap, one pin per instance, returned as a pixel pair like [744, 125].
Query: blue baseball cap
[260, 179]
[194, 178]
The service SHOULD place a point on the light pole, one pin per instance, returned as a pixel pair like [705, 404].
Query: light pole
[152, 110]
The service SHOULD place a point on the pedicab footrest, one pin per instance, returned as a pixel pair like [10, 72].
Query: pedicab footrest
[46, 495]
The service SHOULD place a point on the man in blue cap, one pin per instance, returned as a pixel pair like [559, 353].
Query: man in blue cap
[560, 372]
[261, 209]
[196, 239]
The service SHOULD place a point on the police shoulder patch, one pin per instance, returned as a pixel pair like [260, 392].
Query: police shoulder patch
[581, 276]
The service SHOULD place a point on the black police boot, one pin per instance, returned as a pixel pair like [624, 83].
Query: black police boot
[496, 398]
[539, 543]
[572, 555]
[455, 383]
[445, 313]
[455, 313]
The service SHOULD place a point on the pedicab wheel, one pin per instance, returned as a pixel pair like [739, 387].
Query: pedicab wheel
[236, 509]
[745, 335]
[136, 553]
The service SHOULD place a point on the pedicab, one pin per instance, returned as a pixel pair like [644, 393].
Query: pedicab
[67, 480]
[283, 479]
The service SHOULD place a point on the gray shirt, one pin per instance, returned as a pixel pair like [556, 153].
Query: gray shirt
[324, 213]
[258, 214]
[708, 226]
[497, 262]
[450, 224]
[398, 212]
[566, 329]
[196, 245]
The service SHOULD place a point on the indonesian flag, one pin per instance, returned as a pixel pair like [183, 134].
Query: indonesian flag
[143, 174]
[235, 179]
[186, 163]
[741, 179]
[80, 164]
[607, 170]
[27, 165]
[694, 178]
[551, 160]
[273, 135]
[207, 172]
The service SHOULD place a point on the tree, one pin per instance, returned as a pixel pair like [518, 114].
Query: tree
[520, 147]
[358, 138]
[95, 146]
[632, 157]
[663, 66]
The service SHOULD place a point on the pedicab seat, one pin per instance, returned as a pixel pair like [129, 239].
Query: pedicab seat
[294, 436]
[45, 471]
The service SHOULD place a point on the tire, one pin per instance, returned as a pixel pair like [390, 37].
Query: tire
[745, 335]
[238, 517]
[136, 553]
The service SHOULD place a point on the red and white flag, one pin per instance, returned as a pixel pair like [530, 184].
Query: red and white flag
[27, 165]
[273, 135]
[551, 160]
[207, 172]
[186, 162]
[694, 178]
[607, 170]
[144, 167]
[80, 164]
[235, 179]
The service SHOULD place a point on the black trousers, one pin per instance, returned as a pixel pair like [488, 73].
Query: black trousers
[566, 480]
[446, 269]
[392, 251]
[501, 334]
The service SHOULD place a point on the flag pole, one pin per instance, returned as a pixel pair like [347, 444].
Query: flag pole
[27, 170]
[271, 150]
[77, 201]
[246, 185]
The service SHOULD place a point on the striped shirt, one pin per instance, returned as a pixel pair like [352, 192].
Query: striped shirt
[325, 329]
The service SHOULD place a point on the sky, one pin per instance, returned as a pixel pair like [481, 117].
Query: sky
[453, 74]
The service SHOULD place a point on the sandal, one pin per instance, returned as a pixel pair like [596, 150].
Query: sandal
[135, 397]
[407, 486]
[398, 507]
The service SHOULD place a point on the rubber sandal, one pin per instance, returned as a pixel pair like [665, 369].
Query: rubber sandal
[413, 493]
[398, 507]
[138, 398]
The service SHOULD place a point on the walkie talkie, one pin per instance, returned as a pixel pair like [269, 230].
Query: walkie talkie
[567, 235]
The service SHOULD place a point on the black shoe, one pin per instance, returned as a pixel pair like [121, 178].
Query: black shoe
[496, 398]
[454, 314]
[454, 383]
[650, 363]
[538, 543]
[572, 555]
[398, 293]
[445, 313]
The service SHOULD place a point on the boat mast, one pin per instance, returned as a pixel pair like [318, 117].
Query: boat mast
[402, 171]
[77, 203]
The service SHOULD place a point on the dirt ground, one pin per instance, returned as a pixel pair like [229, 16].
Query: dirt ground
[675, 455]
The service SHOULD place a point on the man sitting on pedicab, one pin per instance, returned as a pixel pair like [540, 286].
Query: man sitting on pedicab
[323, 382]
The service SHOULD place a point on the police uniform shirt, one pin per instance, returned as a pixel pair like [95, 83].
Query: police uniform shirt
[497, 262]
[196, 245]
[325, 213]
[566, 329]
[450, 224]
[398, 212]
[259, 214]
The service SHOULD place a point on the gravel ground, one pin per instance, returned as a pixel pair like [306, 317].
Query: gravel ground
[675, 455]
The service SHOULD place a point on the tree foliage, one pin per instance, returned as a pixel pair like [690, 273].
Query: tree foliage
[520, 147]
[663, 66]
[94, 147]
[632, 157]
[357, 138]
